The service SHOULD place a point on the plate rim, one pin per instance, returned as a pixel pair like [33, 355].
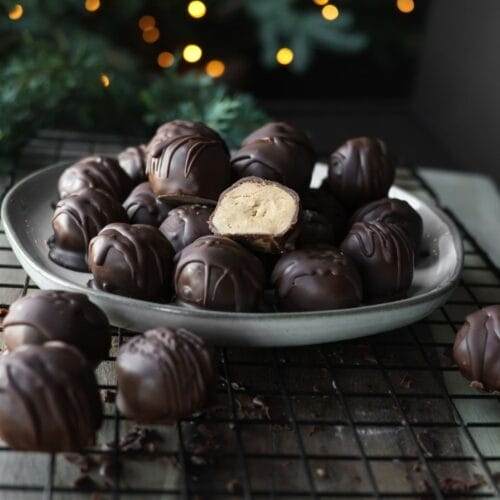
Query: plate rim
[434, 294]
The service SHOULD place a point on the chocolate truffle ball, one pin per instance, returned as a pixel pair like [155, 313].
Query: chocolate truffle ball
[163, 376]
[394, 211]
[217, 273]
[477, 348]
[188, 169]
[179, 128]
[360, 171]
[77, 219]
[49, 399]
[315, 229]
[133, 162]
[316, 279]
[384, 257]
[143, 207]
[274, 159]
[95, 172]
[131, 260]
[56, 315]
[185, 224]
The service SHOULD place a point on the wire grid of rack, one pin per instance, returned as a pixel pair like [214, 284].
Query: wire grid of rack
[387, 416]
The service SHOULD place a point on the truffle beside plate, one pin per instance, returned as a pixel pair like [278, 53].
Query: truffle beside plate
[26, 214]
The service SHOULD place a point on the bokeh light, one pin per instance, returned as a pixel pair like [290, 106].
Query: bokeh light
[151, 35]
[16, 12]
[330, 12]
[405, 6]
[320, 2]
[147, 22]
[284, 56]
[192, 53]
[196, 9]
[92, 5]
[165, 59]
[105, 80]
[215, 68]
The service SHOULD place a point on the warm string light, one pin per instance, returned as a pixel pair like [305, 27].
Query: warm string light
[330, 12]
[151, 35]
[16, 12]
[105, 80]
[284, 56]
[192, 53]
[147, 22]
[196, 9]
[320, 2]
[92, 5]
[165, 59]
[215, 68]
[405, 6]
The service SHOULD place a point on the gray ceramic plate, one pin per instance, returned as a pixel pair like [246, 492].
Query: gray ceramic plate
[26, 214]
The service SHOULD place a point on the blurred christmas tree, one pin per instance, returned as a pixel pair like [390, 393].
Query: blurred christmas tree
[88, 63]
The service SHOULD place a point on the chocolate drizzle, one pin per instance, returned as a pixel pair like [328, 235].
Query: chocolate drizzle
[143, 207]
[217, 273]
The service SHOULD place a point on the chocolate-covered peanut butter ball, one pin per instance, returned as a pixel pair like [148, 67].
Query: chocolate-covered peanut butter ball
[315, 280]
[77, 219]
[180, 128]
[143, 207]
[360, 171]
[133, 162]
[131, 260]
[217, 273]
[384, 256]
[163, 376]
[56, 315]
[49, 399]
[186, 224]
[394, 211]
[477, 348]
[95, 172]
[188, 169]
[315, 229]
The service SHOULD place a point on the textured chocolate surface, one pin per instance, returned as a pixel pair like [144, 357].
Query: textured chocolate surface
[185, 224]
[131, 260]
[316, 279]
[76, 220]
[188, 169]
[55, 315]
[394, 211]
[96, 172]
[360, 171]
[217, 273]
[384, 257]
[179, 128]
[163, 376]
[477, 348]
[133, 161]
[315, 229]
[275, 159]
[143, 207]
[49, 400]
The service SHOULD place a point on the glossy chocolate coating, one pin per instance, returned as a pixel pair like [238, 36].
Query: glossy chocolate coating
[315, 229]
[178, 128]
[274, 159]
[95, 172]
[384, 257]
[360, 171]
[77, 219]
[163, 376]
[55, 315]
[143, 207]
[315, 280]
[185, 224]
[133, 161]
[188, 169]
[394, 211]
[477, 348]
[49, 400]
[131, 260]
[217, 273]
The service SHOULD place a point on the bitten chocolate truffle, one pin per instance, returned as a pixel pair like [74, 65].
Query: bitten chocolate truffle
[477, 348]
[95, 172]
[274, 159]
[188, 169]
[131, 260]
[49, 399]
[77, 219]
[185, 224]
[133, 162]
[218, 273]
[55, 315]
[143, 207]
[360, 171]
[394, 211]
[260, 213]
[384, 257]
[315, 280]
[163, 376]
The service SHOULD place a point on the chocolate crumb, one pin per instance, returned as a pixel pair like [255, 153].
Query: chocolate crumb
[139, 439]
[84, 462]
[108, 395]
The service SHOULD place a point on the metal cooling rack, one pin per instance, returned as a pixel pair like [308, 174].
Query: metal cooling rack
[380, 417]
